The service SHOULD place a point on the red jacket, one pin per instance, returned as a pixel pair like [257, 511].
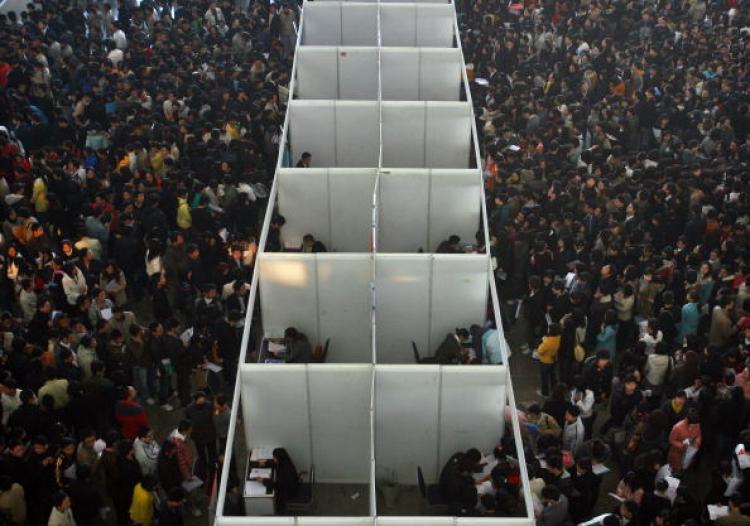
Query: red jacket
[131, 416]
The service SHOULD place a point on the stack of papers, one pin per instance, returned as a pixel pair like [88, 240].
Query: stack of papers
[253, 488]
[264, 473]
[275, 347]
[715, 511]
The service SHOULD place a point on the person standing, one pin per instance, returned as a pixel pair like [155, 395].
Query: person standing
[686, 434]
[547, 352]
[200, 413]
[61, 514]
[288, 30]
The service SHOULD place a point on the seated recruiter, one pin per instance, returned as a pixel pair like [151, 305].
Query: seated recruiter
[454, 474]
[305, 161]
[298, 348]
[450, 351]
[312, 246]
[286, 483]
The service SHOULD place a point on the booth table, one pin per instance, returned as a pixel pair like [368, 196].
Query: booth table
[272, 344]
[259, 500]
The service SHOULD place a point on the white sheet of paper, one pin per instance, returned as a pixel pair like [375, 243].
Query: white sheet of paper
[616, 497]
[107, 314]
[716, 511]
[213, 367]
[260, 472]
[187, 335]
[192, 484]
[672, 489]
[599, 469]
[275, 347]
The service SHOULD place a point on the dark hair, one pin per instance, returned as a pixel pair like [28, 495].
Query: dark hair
[184, 425]
[551, 492]
[58, 498]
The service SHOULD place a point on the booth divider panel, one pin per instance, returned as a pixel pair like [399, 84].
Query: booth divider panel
[455, 206]
[435, 25]
[448, 135]
[288, 294]
[254, 521]
[304, 203]
[459, 293]
[357, 134]
[440, 74]
[312, 128]
[472, 409]
[351, 210]
[335, 521]
[404, 134]
[358, 73]
[402, 304]
[406, 422]
[340, 423]
[275, 409]
[400, 73]
[359, 22]
[398, 24]
[317, 72]
[344, 307]
[417, 521]
[322, 24]
[403, 212]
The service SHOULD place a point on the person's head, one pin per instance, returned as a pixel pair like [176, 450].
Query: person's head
[200, 398]
[40, 444]
[550, 495]
[629, 384]
[602, 358]
[553, 329]
[88, 437]
[185, 427]
[281, 456]
[145, 434]
[150, 482]
[572, 412]
[533, 412]
[628, 509]
[61, 501]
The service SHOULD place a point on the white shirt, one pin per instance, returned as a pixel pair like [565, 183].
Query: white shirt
[10, 403]
[121, 41]
[585, 404]
[573, 435]
[116, 56]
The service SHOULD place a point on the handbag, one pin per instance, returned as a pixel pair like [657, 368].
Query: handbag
[579, 353]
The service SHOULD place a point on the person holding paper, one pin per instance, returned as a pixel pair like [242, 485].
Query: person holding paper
[286, 484]
[684, 441]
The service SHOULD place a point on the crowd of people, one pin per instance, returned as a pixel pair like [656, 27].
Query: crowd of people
[615, 140]
[137, 143]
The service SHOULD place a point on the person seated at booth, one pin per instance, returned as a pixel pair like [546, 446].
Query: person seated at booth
[450, 350]
[298, 348]
[450, 246]
[305, 161]
[311, 245]
[286, 482]
[457, 473]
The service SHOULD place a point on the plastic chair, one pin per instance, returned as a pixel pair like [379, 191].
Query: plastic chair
[432, 498]
[303, 502]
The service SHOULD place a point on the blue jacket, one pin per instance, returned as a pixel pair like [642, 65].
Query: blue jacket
[691, 315]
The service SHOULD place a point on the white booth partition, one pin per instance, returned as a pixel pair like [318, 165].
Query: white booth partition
[326, 296]
[332, 204]
[338, 23]
[426, 413]
[335, 133]
[344, 73]
[421, 73]
[426, 134]
[416, 521]
[335, 521]
[254, 521]
[417, 25]
[420, 208]
[308, 409]
[422, 297]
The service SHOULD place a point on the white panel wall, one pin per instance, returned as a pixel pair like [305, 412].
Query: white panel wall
[421, 208]
[406, 422]
[358, 73]
[340, 420]
[254, 521]
[351, 209]
[426, 134]
[403, 134]
[359, 21]
[448, 134]
[455, 205]
[478, 423]
[357, 134]
[274, 409]
[304, 203]
[421, 74]
[334, 205]
[402, 305]
[336, 133]
[312, 128]
[459, 293]
[288, 294]
[403, 211]
[344, 306]
[416, 521]
[335, 521]
[322, 24]
[417, 25]
[317, 72]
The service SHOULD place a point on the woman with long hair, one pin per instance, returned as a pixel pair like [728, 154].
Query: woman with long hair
[112, 280]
